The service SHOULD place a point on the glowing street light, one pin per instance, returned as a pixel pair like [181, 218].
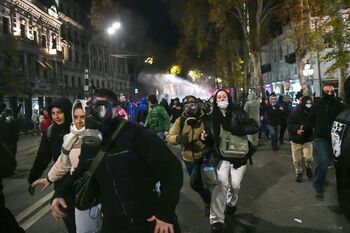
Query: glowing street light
[113, 28]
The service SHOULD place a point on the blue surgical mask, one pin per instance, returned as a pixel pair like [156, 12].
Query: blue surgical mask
[222, 104]
[308, 106]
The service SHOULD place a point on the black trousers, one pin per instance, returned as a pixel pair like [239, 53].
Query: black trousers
[8, 222]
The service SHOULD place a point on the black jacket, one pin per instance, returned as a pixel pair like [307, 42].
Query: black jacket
[341, 151]
[274, 115]
[237, 122]
[322, 115]
[126, 177]
[295, 120]
[49, 149]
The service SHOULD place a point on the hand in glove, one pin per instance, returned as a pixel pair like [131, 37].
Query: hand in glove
[183, 139]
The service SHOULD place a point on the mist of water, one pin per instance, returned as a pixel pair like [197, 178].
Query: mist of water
[162, 84]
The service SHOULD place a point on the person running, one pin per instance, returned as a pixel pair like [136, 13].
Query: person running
[321, 118]
[341, 151]
[50, 149]
[301, 141]
[226, 120]
[186, 131]
[157, 119]
[126, 177]
[87, 220]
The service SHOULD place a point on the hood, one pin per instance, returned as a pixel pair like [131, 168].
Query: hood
[65, 105]
[144, 101]
[252, 96]
[76, 102]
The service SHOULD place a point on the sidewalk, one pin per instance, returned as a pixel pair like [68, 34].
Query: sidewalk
[274, 202]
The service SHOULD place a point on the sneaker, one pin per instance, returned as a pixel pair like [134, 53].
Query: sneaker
[299, 178]
[206, 210]
[309, 172]
[319, 196]
[217, 227]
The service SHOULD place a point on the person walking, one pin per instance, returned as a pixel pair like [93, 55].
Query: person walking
[50, 149]
[44, 121]
[252, 107]
[321, 118]
[301, 141]
[274, 114]
[126, 176]
[87, 221]
[341, 151]
[227, 120]
[186, 131]
[157, 119]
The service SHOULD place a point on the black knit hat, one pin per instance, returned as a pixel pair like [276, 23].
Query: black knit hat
[65, 105]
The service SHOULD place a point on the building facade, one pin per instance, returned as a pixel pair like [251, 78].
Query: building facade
[45, 50]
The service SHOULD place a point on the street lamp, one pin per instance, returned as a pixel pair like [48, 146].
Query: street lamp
[110, 31]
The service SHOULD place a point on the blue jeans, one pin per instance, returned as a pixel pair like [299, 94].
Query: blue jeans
[274, 132]
[194, 170]
[324, 153]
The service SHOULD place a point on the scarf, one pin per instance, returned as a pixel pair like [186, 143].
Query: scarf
[71, 138]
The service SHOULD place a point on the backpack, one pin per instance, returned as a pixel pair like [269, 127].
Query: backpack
[233, 146]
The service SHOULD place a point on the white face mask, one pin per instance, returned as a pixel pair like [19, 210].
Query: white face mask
[308, 105]
[223, 104]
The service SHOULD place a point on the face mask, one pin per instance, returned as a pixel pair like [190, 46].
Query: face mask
[308, 106]
[222, 104]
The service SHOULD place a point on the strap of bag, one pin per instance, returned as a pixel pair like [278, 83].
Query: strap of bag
[97, 160]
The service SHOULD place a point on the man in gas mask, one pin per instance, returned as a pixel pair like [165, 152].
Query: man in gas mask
[186, 131]
[320, 119]
[127, 174]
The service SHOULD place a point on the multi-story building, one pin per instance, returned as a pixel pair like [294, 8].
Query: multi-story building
[31, 54]
[45, 49]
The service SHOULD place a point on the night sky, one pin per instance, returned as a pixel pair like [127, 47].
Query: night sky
[156, 14]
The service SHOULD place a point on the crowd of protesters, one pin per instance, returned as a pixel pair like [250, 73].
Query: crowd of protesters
[217, 137]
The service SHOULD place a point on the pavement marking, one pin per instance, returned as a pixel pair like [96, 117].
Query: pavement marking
[35, 217]
[33, 207]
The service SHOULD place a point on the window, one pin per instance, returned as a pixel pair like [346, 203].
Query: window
[35, 37]
[76, 57]
[103, 83]
[93, 82]
[54, 41]
[5, 25]
[280, 52]
[66, 80]
[23, 30]
[98, 83]
[73, 81]
[43, 41]
[79, 81]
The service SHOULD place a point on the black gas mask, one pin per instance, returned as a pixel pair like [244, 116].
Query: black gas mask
[99, 114]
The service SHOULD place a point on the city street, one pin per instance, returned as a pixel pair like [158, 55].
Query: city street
[270, 200]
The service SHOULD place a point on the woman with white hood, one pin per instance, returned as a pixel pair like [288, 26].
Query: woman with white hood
[87, 220]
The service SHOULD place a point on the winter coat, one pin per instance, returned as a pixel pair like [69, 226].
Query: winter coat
[50, 147]
[252, 107]
[189, 137]
[157, 119]
[235, 121]
[142, 111]
[322, 115]
[127, 175]
[274, 115]
[341, 150]
[295, 120]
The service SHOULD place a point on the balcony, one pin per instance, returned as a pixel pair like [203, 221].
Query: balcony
[265, 68]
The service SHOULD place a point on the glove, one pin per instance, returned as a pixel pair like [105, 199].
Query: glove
[31, 190]
[183, 139]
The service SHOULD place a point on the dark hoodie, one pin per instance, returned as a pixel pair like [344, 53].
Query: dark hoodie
[50, 147]
[341, 151]
[295, 120]
[322, 115]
